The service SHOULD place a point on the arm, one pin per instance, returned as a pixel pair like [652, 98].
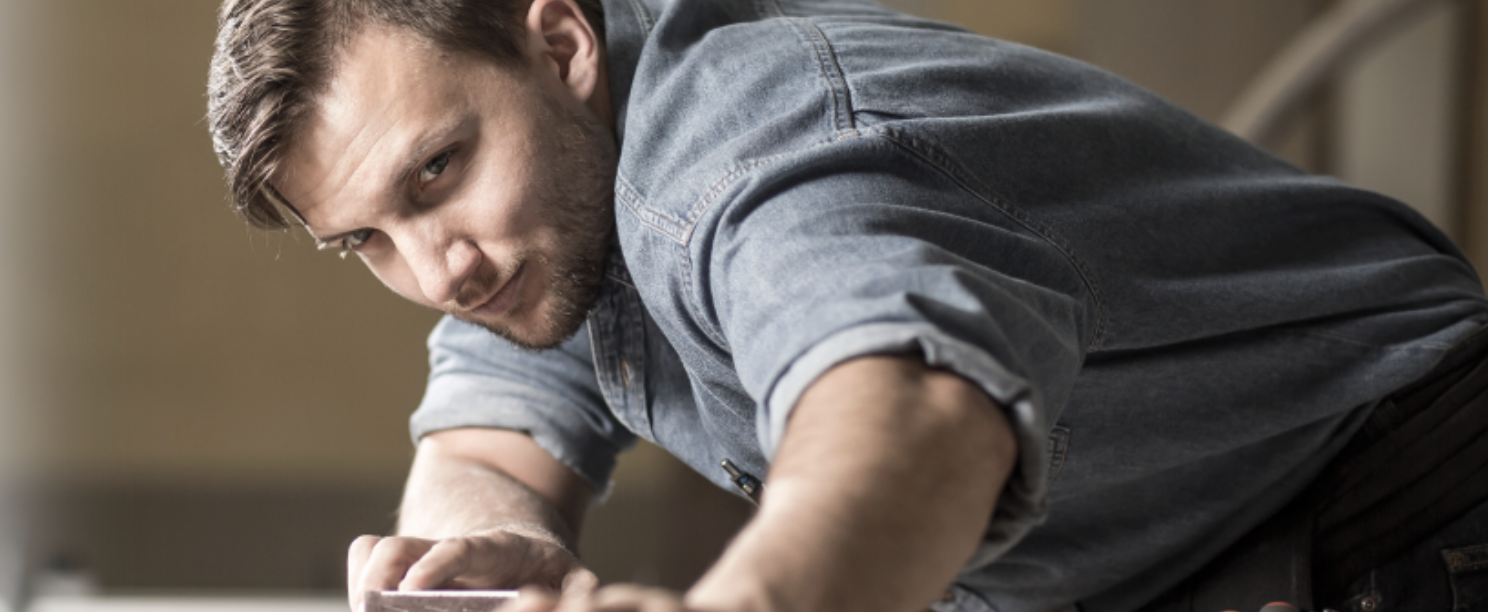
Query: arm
[883, 486]
[884, 483]
[483, 508]
[472, 479]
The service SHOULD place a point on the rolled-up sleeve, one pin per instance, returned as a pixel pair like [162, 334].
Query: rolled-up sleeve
[1022, 504]
[479, 380]
[897, 260]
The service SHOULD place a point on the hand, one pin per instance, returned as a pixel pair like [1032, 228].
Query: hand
[613, 598]
[498, 559]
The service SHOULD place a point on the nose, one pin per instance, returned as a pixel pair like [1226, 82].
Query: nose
[442, 266]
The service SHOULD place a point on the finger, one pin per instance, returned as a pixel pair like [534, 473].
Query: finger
[533, 599]
[579, 582]
[618, 598]
[389, 561]
[632, 598]
[510, 561]
[498, 562]
[444, 562]
[356, 559]
[1279, 606]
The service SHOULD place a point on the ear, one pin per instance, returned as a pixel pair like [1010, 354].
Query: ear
[560, 40]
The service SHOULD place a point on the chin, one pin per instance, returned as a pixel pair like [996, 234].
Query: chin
[540, 328]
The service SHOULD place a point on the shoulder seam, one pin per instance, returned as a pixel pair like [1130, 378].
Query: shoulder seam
[698, 209]
[831, 71]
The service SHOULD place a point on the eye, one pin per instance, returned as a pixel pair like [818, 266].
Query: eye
[349, 242]
[434, 168]
[356, 238]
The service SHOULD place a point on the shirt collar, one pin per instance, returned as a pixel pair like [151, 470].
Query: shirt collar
[627, 24]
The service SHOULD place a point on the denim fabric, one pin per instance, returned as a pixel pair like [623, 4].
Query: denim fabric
[1181, 328]
[1447, 572]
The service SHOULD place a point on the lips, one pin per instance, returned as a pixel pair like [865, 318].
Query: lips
[505, 298]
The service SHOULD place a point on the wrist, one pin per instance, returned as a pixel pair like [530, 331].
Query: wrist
[531, 530]
[728, 595]
[739, 582]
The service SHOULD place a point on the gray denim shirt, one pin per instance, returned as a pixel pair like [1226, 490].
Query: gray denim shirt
[1181, 328]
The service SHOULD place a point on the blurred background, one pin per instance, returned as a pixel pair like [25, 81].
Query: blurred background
[213, 409]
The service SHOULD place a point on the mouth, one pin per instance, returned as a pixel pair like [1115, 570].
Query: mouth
[505, 298]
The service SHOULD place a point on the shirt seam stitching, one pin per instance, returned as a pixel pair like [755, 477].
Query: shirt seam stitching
[706, 202]
[831, 72]
[650, 217]
[643, 15]
[715, 336]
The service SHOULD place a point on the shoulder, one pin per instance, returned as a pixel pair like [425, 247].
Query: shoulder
[720, 86]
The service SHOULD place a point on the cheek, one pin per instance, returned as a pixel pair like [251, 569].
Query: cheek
[502, 203]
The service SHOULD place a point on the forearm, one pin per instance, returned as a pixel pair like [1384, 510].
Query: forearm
[454, 491]
[883, 485]
[483, 509]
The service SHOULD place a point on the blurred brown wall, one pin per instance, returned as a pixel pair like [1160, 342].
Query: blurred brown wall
[1472, 163]
[179, 345]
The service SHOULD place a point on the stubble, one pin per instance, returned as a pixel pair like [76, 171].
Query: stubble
[576, 200]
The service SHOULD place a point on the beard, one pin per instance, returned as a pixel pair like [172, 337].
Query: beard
[576, 200]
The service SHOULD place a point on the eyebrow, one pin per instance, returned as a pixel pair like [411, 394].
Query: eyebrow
[426, 142]
[410, 164]
[321, 244]
[329, 242]
[272, 195]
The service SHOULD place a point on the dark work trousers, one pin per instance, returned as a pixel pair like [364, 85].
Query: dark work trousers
[1397, 522]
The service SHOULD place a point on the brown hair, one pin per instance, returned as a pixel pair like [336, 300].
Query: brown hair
[273, 56]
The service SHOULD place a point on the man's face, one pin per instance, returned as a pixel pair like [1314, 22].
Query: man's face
[479, 190]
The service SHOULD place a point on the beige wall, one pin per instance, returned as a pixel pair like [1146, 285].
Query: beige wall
[11, 173]
[1397, 126]
[180, 345]
[1472, 167]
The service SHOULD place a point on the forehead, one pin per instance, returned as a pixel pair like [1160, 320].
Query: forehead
[386, 70]
[384, 76]
[388, 90]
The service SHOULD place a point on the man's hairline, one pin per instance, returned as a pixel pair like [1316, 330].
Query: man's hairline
[314, 93]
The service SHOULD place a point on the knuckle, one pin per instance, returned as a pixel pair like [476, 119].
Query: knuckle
[363, 544]
[458, 546]
[398, 546]
[418, 574]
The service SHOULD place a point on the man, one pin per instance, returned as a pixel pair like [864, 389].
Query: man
[995, 329]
